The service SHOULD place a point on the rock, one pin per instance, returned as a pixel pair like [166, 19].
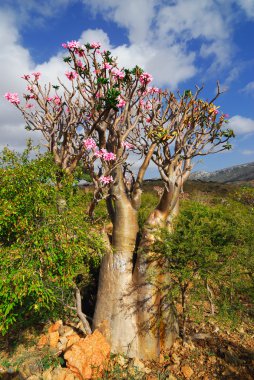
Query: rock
[67, 331]
[175, 358]
[187, 371]
[171, 377]
[53, 339]
[63, 374]
[55, 327]
[200, 336]
[42, 341]
[138, 364]
[71, 339]
[88, 357]
[47, 375]
[62, 343]
[29, 368]
[34, 377]
[121, 360]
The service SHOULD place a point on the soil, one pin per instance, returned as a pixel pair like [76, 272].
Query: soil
[210, 352]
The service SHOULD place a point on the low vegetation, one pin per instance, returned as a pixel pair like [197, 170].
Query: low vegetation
[45, 255]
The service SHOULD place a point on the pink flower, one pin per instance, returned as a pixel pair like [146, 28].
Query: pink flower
[145, 78]
[107, 66]
[109, 156]
[71, 75]
[106, 179]
[98, 95]
[148, 120]
[226, 115]
[95, 45]
[121, 102]
[100, 153]
[29, 105]
[71, 45]
[148, 106]
[127, 145]
[89, 143]
[26, 76]
[118, 73]
[57, 100]
[12, 97]
[153, 90]
[29, 88]
[36, 75]
[105, 155]
[49, 99]
[80, 64]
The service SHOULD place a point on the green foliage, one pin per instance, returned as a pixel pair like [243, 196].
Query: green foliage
[209, 257]
[245, 195]
[44, 254]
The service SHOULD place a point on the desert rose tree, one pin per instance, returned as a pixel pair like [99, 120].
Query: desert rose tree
[101, 117]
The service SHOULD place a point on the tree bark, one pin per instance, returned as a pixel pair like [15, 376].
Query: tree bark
[156, 316]
[115, 306]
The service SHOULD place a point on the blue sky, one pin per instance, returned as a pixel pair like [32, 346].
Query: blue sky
[180, 42]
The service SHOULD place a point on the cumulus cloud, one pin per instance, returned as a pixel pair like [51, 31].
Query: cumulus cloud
[247, 6]
[241, 125]
[160, 35]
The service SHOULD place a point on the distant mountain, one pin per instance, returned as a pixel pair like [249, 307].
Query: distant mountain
[244, 172]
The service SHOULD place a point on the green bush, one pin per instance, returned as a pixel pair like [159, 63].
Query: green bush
[44, 254]
[209, 256]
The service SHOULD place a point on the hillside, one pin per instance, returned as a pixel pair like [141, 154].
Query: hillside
[244, 172]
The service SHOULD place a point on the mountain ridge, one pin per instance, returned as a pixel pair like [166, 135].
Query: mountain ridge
[242, 172]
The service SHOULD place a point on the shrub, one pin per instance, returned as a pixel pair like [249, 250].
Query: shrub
[209, 256]
[44, 254]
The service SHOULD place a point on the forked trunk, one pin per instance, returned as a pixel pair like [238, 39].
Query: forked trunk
[156, 316]
[114, 313]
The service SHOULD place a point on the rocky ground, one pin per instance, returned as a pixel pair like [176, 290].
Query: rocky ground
[62, 352]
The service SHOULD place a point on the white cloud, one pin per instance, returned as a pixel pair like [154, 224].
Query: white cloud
[247, 6]
[248, 152]
[249, 88]
[41, 10]
[134, 15]
[241, 125]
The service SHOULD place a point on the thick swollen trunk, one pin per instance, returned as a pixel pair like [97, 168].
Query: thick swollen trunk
[156, 317]
[115, 307]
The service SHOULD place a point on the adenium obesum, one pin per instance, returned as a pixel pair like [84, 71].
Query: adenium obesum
[97, 87]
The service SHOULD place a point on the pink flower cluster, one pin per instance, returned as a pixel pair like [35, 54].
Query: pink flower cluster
[80, 64]
[127, 145]
[89, 143]
[95, 45]
[145, 78]
[153, 90]
[71, 45]
[29, 105]
[107, 66]
[12, 97]
[121, 102]
[118, 73]
[36, 75]
[71, 75]
[55, 99]
[105, 180]
[107, 156]
[25, 76]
